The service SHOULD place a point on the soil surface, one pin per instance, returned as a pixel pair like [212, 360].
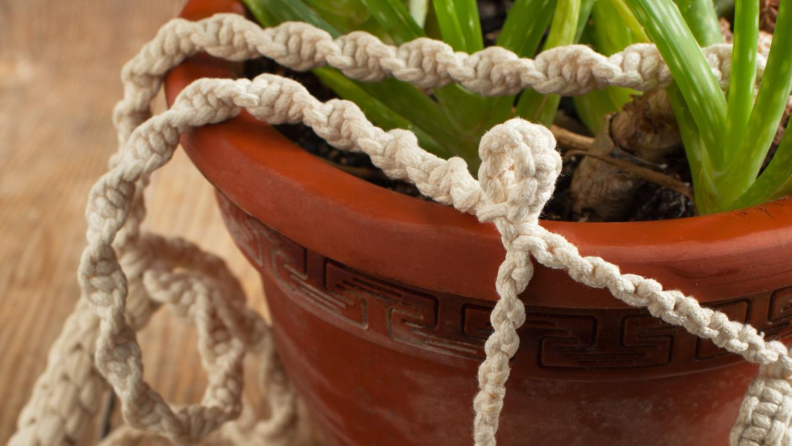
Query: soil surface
[357, 164]
[652, 202]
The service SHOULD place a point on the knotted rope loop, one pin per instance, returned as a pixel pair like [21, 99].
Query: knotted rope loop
[519, 168]
[225, 327]
[518, 172]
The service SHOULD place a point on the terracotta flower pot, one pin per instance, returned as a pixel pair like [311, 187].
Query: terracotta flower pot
[380, 303]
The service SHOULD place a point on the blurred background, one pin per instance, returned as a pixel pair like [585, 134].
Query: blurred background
[60, 64]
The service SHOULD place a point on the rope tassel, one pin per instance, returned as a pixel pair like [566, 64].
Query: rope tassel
[126, 274]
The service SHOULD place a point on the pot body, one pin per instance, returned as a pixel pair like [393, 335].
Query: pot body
[380, 303]
[380, 362]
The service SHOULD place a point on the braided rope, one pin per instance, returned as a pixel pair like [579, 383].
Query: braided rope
[122, 268]
[426, 63]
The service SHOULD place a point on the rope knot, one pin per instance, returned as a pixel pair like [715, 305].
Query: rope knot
[454, 185]
[518, 171]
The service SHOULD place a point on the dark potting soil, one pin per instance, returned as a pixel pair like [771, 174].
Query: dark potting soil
[652, 202]
[357, 164]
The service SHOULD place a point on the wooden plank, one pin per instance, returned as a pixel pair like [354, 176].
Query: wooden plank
[59, 71]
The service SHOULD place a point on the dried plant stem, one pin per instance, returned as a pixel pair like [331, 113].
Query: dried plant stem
[643, 172]
[644, 132]
[569, 140]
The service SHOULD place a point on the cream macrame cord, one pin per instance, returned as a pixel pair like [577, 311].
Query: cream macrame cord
[126, 274]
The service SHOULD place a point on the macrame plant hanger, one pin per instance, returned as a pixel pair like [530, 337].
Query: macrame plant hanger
[126, 274]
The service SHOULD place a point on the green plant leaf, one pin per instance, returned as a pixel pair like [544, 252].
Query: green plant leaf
[629, 19]
[525, 26]
[522, 32]
[593, 107]
[376, 111]
[781, 174]
[737, 177]
[532, 105]
[418, 108]
[743, 74]
[702, 18]
[724, 7]
[459, 24]
[707, 199]
[394, 18]
[586, 8]
[607, 33]
[343, 15]
[692, 74]
[775, 181]
[288, 10]
[419, 9]
[404, 100]
[463, 111]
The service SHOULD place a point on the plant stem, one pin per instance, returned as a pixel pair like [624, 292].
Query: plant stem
[703, 188]
[593, 107]
[738, 176]
[743, 74]
[775, 181]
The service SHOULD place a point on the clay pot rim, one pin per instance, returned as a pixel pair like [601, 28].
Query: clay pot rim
[638, 246]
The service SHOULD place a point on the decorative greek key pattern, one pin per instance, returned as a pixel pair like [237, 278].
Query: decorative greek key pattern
[424, 322]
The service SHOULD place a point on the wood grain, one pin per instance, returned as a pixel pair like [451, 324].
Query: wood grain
[59, 71]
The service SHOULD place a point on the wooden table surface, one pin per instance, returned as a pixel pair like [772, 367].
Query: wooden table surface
[59, 79]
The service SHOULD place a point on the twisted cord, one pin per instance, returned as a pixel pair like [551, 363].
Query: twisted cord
[517, 176]
[426, 63]
[69, 393]
[519, 169]
[176, 277]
